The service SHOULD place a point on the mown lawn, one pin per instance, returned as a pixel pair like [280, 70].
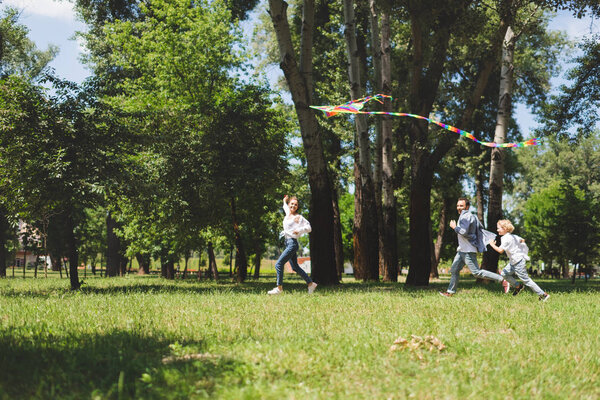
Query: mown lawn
[144, 337]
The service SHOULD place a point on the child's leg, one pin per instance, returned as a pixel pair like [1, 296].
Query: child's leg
[508, 273]
[521, 272]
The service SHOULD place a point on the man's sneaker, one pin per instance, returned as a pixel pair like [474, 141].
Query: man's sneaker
[544, 297]
[445, 294]
[518, 289]
[505, 286]
[275, 290]
[311, 287]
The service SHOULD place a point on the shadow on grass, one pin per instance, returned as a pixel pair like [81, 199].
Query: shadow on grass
[116, 365]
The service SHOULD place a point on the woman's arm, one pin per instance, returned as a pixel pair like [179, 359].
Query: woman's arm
[286, 208]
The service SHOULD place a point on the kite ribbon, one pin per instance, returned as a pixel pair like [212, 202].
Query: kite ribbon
[356, 106]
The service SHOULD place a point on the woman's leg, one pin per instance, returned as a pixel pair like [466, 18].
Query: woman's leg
[296, 267]
[290, 250]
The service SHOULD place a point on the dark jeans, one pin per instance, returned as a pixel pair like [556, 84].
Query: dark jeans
[289, 254]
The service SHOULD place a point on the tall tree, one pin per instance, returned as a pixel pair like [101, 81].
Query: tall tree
[366, 243]
[431, 34]
[298, 75]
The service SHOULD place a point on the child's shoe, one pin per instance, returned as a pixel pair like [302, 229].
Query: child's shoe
[518, 289]
[544, 297]
[505, 286]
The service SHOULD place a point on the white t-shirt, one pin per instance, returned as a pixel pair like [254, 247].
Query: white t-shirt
[515, 250]
[294, 223]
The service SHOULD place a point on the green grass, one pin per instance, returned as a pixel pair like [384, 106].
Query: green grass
[129, 337]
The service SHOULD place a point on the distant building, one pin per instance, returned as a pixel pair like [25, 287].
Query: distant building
[303, 262]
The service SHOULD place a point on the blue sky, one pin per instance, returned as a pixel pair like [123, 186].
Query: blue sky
[54, 22]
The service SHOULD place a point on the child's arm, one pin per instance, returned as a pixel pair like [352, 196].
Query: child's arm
[498, 249]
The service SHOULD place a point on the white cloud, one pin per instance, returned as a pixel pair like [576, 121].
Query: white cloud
[62, 9]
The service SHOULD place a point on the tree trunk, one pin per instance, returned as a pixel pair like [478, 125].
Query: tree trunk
[123, 261]
[241, 262]
[388, 229]
[490, 262]
[170, 267]
[212, 262]
[257, 259]
[299, 79]
[73, 254]
[439, 241]
[3, 240]
[420, 216]
[378, 153]
[337, 235]
[143, 263]
[187, 258]
[479, 194]
[366, 256]
[425, 80]
[113, 255]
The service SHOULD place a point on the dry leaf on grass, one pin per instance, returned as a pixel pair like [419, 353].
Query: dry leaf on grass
[416, 343]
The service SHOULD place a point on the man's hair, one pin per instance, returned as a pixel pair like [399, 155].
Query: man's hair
[506, 224]
[467, 202]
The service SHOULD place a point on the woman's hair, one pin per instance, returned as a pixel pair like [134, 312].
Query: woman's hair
[290, 198]
[506, 224]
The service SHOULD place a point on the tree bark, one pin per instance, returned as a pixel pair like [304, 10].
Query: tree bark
[299, 79]
[366, 257]
[143, 263]
[479, 194]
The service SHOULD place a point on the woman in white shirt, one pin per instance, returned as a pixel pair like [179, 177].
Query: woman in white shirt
[516, 250]
[294, 226]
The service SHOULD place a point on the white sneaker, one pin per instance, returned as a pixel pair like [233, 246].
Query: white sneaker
[311, 287]
[276, 290]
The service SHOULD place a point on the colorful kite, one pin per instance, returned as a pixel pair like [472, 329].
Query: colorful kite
[355, 107]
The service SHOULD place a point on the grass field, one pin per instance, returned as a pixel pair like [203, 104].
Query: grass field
[145, 337]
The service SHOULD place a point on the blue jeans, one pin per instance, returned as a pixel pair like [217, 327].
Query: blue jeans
[470, 259]
[520, 271]
[289, 254]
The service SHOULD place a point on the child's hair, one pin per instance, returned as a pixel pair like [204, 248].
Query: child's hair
[506, 224]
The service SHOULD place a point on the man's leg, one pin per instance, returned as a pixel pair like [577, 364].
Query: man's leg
[457, 265]
[471, 261]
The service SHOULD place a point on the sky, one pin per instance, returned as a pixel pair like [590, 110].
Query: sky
[54, 22]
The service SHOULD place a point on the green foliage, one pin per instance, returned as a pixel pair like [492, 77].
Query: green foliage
[559, 199]
[559, 221]
[18, 54]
